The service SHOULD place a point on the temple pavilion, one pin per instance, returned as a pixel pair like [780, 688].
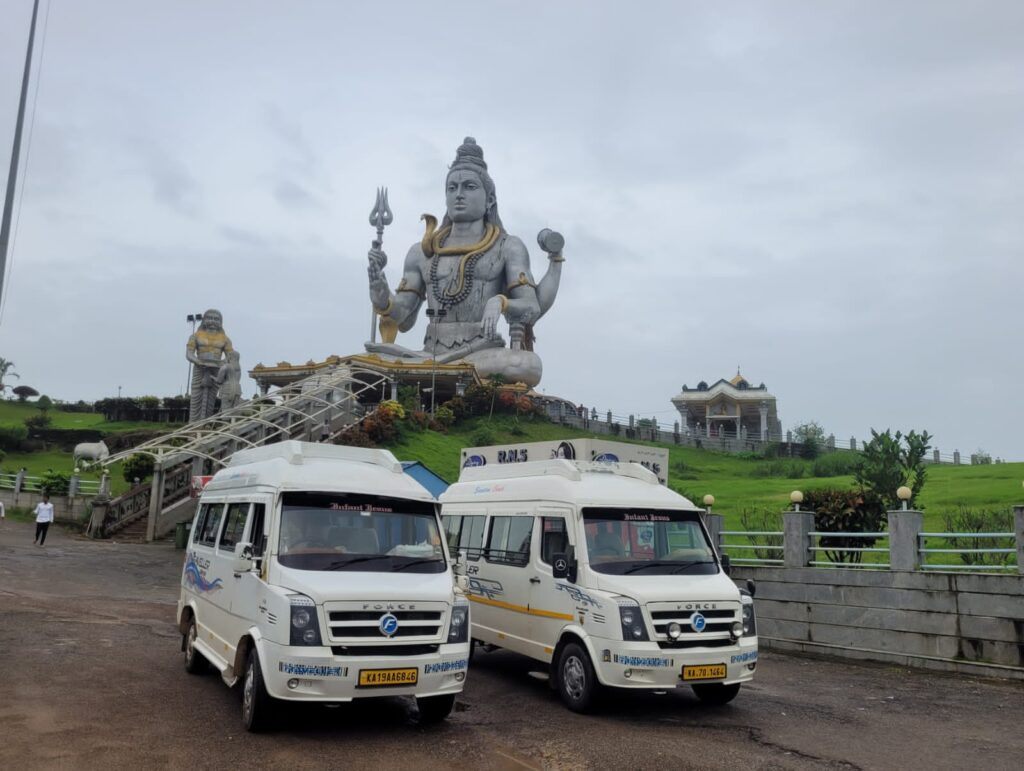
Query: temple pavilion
[729, 408]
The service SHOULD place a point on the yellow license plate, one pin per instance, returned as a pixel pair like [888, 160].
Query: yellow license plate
[704, 672]
[383, 678]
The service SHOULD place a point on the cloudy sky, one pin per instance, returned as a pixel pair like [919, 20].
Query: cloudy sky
[828, 195]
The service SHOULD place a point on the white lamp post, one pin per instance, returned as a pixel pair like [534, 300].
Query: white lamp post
[796, 498]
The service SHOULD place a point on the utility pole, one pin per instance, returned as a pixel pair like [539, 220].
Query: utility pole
[12, 177]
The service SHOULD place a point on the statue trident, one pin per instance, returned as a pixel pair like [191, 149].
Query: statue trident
[380, 217]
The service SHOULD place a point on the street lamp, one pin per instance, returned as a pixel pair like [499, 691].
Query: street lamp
[119, 393]
[433, 313]
[904, 493]
[796, 498]
[709, 501]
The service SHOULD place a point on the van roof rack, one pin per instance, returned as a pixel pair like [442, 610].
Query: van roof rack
[572, 470]
[296, 452]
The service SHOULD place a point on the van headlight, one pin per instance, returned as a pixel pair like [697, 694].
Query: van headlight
[632, 620]
[749, 620]
[304, 627]
[458, 627]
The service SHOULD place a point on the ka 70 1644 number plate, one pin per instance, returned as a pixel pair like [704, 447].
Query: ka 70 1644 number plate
[704, 672]
[384, 678]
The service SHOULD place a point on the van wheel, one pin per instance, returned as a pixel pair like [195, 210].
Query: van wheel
[716, 694]
[577, 683]
[257, 705]
[195, 662]
[434, 709]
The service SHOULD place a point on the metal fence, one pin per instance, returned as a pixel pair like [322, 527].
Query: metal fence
[24, 483]
[655, 430]
[908, 547]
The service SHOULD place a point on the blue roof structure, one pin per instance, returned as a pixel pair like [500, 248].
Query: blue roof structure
[430, 481]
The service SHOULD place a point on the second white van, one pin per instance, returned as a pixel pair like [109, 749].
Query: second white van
[605, 576]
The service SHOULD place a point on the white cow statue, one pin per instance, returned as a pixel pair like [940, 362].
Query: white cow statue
[91, 452]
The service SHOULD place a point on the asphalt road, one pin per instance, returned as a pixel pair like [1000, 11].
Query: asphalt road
[91, 676]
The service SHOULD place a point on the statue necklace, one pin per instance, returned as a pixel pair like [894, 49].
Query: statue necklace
[449, 295]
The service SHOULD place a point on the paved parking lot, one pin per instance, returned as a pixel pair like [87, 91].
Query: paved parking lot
[92, 677]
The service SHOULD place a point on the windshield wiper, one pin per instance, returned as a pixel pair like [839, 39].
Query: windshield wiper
[423, 561]
[339, 564]
[684, 565]
[642, 565]
[665, 564]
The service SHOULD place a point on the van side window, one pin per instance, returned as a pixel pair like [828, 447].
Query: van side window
[452, 526]
[509, 543]
[210, 524]
[471, 536]
[257, 537]
[234, 526]
[554, 538]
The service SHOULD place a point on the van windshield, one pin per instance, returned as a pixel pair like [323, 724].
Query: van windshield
[337, 531]
[626, 541]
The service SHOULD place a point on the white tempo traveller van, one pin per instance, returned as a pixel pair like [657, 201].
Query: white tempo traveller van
[601, 573]
[318, 573]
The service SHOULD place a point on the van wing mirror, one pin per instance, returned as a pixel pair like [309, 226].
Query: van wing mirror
[560, 565]
[563, 565]
[242, 562]
[726, 564]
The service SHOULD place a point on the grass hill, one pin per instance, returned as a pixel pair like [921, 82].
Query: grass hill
[738, 483]
[14, 414]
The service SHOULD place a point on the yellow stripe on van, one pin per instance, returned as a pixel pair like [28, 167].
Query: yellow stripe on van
[521, 608]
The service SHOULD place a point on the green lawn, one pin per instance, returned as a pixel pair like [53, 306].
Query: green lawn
[14, 414]
[695, 473]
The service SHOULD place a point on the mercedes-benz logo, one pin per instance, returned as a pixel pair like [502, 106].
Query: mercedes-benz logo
[388, 624]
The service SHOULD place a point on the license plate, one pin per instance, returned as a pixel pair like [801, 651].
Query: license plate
[384, 678]
[704, 672]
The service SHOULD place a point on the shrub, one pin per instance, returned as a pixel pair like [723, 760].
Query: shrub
[12, 437]
[811, 438]
[483, 437]
[392, 409]
[148, 402]
[890, 461]
[38, 422]
[762, 521]
[175, 402]
[44, 403]
[54, 482]
[845, 511]
[137, 466]
[444, 416]
[967, 520]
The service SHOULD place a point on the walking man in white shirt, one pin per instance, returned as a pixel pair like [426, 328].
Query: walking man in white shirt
[44, 516]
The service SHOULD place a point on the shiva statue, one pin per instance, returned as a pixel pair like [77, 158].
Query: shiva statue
[470, 272]
[208, 349]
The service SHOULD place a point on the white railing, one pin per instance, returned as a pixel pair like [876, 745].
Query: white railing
[976, 558]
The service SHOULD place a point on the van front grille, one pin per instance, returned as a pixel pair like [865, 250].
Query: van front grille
[358, 623]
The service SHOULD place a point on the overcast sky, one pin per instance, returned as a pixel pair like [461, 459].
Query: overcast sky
[827, 194]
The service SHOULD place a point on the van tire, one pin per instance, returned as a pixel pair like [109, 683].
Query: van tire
[434, 709]
[716, 694]
[577, 681]
[258, 706]
[195, 662]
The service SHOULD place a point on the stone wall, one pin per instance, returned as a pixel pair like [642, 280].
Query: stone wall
[944, 621]
[65, 509]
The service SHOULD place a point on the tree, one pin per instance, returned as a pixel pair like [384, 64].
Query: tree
[137, 466]
[811, 438]
[44, 403]
[890, 461]
[24, 392]
[5, 371]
